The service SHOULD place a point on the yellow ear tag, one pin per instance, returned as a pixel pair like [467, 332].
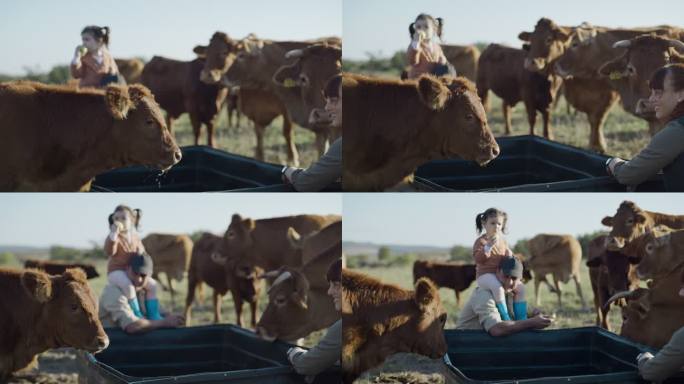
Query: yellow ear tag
[289, 83]
[615, 75]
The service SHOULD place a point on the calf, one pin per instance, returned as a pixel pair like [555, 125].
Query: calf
[40, 312]
[381, 319]
[457, 276]
[59, 267]
[392, 127]
[209, 266]
[502, 70]
[171, 255]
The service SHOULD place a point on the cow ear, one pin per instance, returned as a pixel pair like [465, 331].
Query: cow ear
[524, 36]
[200, 51]
[301, 288]
[75, 274]
[614, 68]
[562, 33]
[594, 262]
[607, 221]
[38, 285]
[640, 218]
[117, 101]
[236, 219]
[662, 240]
[426, 292]
[526, 47]
[294, 238]
[249, 224]
[137, 92]
[432, 92]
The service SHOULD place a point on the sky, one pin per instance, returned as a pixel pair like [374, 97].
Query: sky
[43, 33]
[448, 219]
[381, 26]
[76, 219]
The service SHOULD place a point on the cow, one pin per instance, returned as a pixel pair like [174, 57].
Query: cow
[592, 95]
[240, 278]
[177, 89]
[610, 272]
[657, 253]
[265, 243]
[40, 312]
[392, 126]
[258, 104]
[52, 267]
[253, 65]
[501, 69]
[130, 69]
[381, 319]
[58, 138]
[298, 302]
[558, 255]
[171, 255]
[454, 275]
[630, 222]
[630, 73]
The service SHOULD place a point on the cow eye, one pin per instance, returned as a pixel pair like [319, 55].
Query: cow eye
[469, 116]
[240, 56]
[549, 40]
[649, 248]
[149, 122]
[629, 221]
[280, 300]
[74, 307]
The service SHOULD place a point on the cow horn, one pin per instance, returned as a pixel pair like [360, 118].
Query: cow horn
[294, 54]
[270, 274]
[617, 296]
[284, 276]
[622, 44]
[676, 44]
[218, 259]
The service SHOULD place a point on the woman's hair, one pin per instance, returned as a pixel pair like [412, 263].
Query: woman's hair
[334, 274]
[332, 87]
[438, 23]
[657, 82]
[136, 214]
[481, 218]
[99, 33]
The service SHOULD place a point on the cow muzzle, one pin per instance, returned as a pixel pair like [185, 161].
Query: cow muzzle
[535, 65]
[321, 117]
[210, 77]
[99, 345]
[263, 334]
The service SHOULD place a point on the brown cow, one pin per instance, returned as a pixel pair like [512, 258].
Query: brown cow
[130, 69]
[657, 253]
[464, 58]
[255, 64]
[57, 138]
[177, 89]
[311, 245]
[610, 272]
[171, 255]
[630, 73]
[240, 278]
[630, 222]
[264, 242]
[381, 319]
[258, 104]
[558, 255]
[41, 312]
[592, 95]
[52, 267]
[454, 275]
[298, 302]
[501, 69]
[391, 127]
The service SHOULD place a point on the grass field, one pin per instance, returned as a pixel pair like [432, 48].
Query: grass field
[570, 316]
[241, 140]
[625, 134]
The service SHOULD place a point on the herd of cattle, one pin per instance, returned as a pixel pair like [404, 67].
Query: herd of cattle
[57, 138]
[382, 319]
[291, 253]
[393, 126]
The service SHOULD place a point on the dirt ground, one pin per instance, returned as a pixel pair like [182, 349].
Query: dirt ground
[57, 366]
[408, 368]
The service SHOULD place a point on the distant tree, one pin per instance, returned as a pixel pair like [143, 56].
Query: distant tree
[384, 254]
[461, 253]
[584, 240]
[357, 261]
[196, 235]
[95, 252]
[65, 253]
[521, 247]
[7, 258]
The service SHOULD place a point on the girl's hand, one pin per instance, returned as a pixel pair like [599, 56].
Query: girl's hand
[80, 51]
[115, 228]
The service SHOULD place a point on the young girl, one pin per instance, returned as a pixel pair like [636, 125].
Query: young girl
[123, 241]
[92, 62]
[488, 250]
[424, 54]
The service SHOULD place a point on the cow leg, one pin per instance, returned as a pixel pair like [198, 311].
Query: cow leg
[173, 294]
[217, 307]
[458, 298]
[546, 119]
[537, 282]
[288, 133]
[259, 130]
[596, 140]
[196, 127]
[321, 142]
[200, 293]
[507, 116]
[229, 112]
[190, 296]
[253, 308]
[237, 301]
[556, 284]
[531, 117]
[603, 312]
[579, 292]
[210, 133]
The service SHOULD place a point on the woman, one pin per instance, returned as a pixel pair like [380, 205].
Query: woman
[666, 149]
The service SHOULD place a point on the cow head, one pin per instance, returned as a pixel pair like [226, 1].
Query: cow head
[545, 44]
[632, 71]
[582, 56]
[627, 224]
[71, 307]
[457, 120]
[659, 253]
[248, 64]
[243, 272]
[219, 56]
[238, 240]
[312, 68]
[288, 305]
[425, 333]
[139, 129]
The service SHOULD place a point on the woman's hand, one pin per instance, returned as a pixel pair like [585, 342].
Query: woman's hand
[611, 164]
